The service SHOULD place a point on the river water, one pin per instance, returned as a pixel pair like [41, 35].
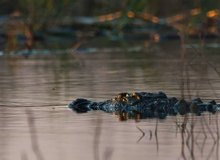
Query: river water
[36, 124]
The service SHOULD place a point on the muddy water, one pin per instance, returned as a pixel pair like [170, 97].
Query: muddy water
[36, 124]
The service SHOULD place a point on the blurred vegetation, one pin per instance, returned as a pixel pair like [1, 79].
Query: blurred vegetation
[40, 12]
[144, 18]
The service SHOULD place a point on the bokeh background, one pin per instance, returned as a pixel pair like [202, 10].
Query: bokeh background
[28, 24]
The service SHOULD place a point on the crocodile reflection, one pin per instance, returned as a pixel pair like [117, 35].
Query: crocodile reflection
[141, 105]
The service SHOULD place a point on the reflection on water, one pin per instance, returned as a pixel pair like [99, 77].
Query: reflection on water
[36, 124]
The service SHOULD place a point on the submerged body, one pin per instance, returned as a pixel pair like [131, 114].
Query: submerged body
[145, 105]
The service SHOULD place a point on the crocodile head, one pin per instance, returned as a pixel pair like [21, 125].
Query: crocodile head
[80, 105]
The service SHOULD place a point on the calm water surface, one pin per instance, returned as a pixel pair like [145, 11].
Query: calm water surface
[36, 124]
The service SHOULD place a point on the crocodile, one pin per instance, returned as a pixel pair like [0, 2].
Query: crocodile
[141, 105]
